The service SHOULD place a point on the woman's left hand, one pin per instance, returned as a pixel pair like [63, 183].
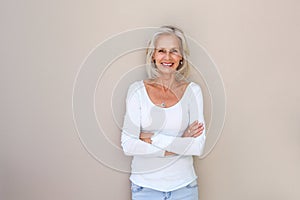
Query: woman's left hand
[146, 137]
[194, 130]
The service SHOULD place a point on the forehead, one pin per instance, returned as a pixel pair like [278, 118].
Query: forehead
[167, 41]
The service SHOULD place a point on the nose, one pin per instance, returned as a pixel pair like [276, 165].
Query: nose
[167, 54]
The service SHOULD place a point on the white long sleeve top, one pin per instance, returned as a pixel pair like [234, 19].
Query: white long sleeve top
[149, 167]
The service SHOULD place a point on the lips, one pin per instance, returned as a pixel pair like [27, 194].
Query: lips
[167, 64]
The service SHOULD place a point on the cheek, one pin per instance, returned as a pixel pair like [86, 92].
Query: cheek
[177, 59]
[157, 57]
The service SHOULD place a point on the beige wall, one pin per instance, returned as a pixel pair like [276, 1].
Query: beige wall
[255, 44]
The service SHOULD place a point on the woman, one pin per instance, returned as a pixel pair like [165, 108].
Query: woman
[164, 124]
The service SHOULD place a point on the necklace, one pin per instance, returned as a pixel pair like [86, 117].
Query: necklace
[163, 104]
[164, 91]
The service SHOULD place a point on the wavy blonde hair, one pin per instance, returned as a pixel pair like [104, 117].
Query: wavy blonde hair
[183, 69]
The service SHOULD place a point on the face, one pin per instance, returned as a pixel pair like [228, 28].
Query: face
[167, 54]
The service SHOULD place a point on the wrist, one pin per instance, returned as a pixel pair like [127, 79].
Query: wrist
[168, 153]
[147, 140]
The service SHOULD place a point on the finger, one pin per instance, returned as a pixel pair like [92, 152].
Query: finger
[196, 127]
[145, 135]
[147, 140]
[200, 128]
[193, 124]
[198, 134]
[199, 125]
[198, 131]
[192, 128]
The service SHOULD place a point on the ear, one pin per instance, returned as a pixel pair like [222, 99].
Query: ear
[180, 65]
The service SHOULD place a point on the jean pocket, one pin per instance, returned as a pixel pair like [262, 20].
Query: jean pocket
[136, 188]
[193, 184]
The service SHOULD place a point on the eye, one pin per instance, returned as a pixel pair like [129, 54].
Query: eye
[160, 51]
[175, 51]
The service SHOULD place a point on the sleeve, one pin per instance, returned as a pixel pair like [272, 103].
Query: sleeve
[186, 145]
[130, 142]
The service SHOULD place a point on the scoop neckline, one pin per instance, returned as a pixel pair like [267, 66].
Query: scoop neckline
[153, 104]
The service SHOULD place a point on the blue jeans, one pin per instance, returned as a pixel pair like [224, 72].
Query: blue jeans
[189, 192]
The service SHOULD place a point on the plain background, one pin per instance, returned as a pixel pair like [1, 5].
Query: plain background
[255, 44]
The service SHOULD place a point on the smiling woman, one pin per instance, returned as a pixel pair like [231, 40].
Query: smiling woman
[167, 53]
[164, 124]
[172, 39]
[167, 58]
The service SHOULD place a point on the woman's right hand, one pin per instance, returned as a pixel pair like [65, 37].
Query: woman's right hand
[146, 137]
[194, 130]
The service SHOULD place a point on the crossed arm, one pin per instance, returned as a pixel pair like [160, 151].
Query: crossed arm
[151, 145]
[135, 142]
[193, 131]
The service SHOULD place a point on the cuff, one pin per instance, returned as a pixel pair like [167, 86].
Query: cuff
[161, 141]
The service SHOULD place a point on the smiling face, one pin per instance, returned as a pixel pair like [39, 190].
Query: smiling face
[167, 54]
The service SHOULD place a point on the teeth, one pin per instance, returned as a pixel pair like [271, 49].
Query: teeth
[167, 64]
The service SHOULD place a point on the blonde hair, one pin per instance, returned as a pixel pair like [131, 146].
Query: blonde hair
[183, 69]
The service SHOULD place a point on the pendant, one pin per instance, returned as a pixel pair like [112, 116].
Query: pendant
[163, 104]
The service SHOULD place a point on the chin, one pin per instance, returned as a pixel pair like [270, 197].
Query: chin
[167, 69]
[167, 72]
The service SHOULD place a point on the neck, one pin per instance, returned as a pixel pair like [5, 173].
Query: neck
[167, 80]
